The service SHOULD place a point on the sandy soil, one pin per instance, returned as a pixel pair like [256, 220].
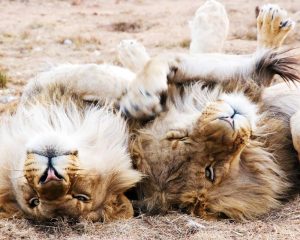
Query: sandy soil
[35, 35]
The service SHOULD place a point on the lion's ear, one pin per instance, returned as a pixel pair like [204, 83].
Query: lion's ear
[115, 207]
[8, 205]
[118, 205]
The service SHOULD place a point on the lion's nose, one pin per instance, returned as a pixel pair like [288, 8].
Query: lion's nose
[230, 118]
[50, 174]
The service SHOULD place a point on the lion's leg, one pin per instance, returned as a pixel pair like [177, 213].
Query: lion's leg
[132, 55]
[146, 94]
[295, 130]
[209, 28]
[273, 26]
[105, 83]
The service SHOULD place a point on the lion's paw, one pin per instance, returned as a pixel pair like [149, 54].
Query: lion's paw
[132, 54]
[146, 95]
[140, 103]
[209, 28]
[273, 26]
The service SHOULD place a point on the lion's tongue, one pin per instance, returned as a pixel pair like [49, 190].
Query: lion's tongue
[51, 175]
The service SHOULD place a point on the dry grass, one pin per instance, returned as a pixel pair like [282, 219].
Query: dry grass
[284, 224]
[81, 40]
[185, 43]
[130, 27]
[3, 79]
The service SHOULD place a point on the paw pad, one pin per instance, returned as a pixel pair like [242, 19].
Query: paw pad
[273, 26]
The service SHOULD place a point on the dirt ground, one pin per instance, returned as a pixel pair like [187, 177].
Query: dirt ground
[36, 35]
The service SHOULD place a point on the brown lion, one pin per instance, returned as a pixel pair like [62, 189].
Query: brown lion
[219, 146]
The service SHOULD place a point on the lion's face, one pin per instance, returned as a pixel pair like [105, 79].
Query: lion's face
[67, 163]
[198, 170]
[56, 185]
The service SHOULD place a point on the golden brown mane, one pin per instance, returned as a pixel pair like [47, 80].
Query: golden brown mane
[254, 173]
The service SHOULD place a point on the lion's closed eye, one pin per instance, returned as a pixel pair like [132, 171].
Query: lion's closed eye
[82, 197]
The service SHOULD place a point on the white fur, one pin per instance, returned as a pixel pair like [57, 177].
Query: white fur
[218, 66]
[295, 129]
[209, 28]
[132, 55]
[153, 81]
[243, 106]
[99, 136]
[184, 111]
[285, 97]
[97, 82]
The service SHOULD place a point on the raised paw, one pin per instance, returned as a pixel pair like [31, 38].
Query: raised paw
[209, 28]
[140, 103]
[273, 26]
[132, 55]
[146, 95]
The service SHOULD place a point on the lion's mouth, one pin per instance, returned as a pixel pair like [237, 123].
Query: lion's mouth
[50, 174]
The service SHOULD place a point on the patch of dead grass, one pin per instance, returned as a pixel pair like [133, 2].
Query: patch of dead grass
[81, 40]
[130, 27]
[282, 224]
[185, 43]
[3, 79]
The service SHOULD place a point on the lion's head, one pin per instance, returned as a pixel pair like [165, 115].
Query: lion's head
[216, 165]
[61, 162]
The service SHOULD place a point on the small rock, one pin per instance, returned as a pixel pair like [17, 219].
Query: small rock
[97, 53]
[7, 91]
[67, 42]
[7, 99]
[38, 49]
[194, 226]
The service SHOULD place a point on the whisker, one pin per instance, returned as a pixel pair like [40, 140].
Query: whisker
[17, 177]
[87, 174]
[20, 170]
[76, 169]
[15, 170]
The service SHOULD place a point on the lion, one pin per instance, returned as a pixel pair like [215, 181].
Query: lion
[62, 156]
[72, 158]
[218, 145]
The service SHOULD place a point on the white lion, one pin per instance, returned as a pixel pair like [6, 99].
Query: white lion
[61, 156]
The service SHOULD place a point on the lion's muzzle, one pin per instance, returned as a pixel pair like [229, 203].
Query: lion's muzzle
[50, 175]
